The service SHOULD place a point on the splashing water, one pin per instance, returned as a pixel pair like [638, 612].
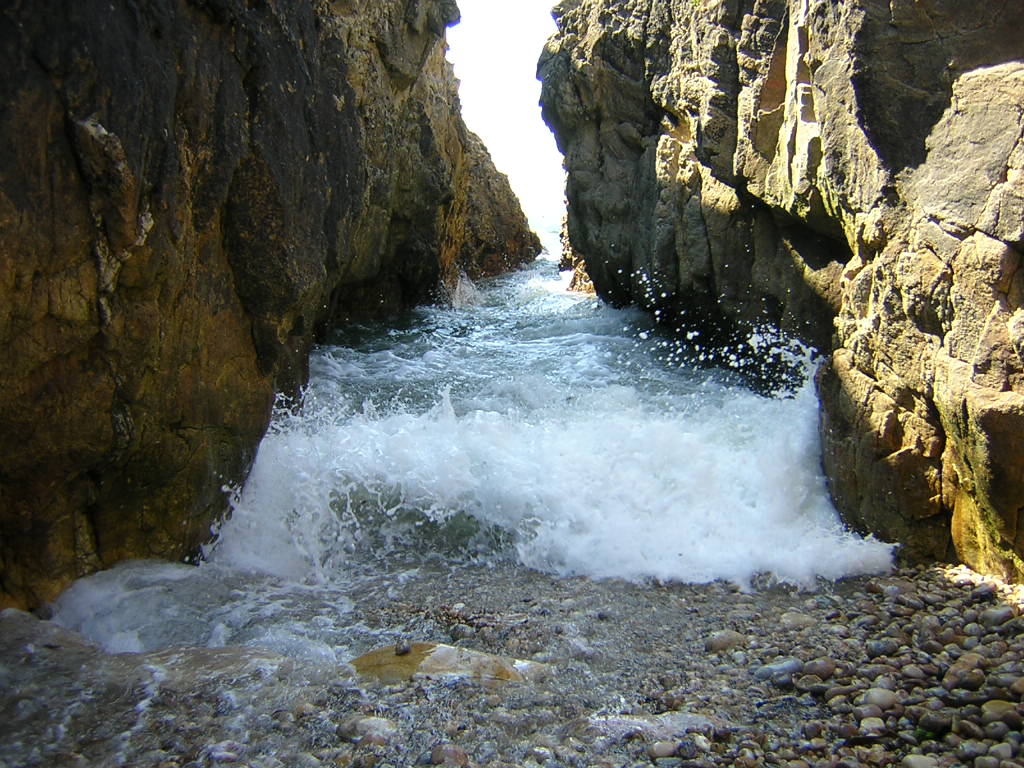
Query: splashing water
[531, 424]
[526, 426]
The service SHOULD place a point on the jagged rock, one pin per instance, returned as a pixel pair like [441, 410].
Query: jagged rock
[850, 172]
[572, 260]
[192, 191]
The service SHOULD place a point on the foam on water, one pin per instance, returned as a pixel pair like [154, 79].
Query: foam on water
[535, 424]
[143, 606]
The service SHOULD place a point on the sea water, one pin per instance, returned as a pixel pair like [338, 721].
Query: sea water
[522, 425]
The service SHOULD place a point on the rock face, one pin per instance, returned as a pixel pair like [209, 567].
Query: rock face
[851, 172]
[190, 191]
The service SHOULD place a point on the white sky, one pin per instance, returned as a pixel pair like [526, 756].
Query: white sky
[494, 50]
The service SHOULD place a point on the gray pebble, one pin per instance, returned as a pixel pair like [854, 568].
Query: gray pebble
[994, 617]
[788, 666]
[884, 647]
[1002, 751]
[970, 749]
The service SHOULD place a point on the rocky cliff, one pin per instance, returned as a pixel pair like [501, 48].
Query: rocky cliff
[190, 191]
[852, 173]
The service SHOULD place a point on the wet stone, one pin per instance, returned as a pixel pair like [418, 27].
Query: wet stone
[881, 698]
[811, 684]
[539, 754]
[661, 749]
[919, 761]
[370, 729]
[867, 710]
[913, 671]
[448, 754]
[984, 593]
[996, 731]
[884, 647]
[822, 667]
[872, 727]
[673, 703]
[938, 723]
[788, 666]
[796, 620]
[969, 680]
[811, 730]
[996, 709]
[1002, 751]
[700, 742]
[874, 671]
[969, 730]
[971, 749]
[994, 617]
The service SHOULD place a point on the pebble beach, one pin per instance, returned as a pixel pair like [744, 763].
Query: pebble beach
[921, 668]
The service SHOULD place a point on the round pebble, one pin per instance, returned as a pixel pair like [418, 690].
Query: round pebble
[996, 709]
[822, 667]
[881, 698]
[661, 749]
[994, 617]
[448, 754]
[872, 726]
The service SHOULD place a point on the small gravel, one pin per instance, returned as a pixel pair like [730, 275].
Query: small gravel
[920, 669]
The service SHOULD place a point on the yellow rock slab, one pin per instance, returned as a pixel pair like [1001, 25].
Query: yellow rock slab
[435, 660]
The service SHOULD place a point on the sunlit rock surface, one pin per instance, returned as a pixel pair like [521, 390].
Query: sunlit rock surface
[406, 661]
[850, 172]
[191, 191]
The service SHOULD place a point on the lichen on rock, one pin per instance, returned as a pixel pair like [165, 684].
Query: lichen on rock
[850, 172]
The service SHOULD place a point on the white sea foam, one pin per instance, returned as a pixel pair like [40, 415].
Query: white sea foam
[550, 419]
[142, 606]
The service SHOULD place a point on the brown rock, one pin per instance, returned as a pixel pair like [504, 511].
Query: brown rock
[171, 243]
[872, 727]
[448, 754]
[823, 667]
[1017, 688]
[882, 698]
[439, 661]
[724, 640]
